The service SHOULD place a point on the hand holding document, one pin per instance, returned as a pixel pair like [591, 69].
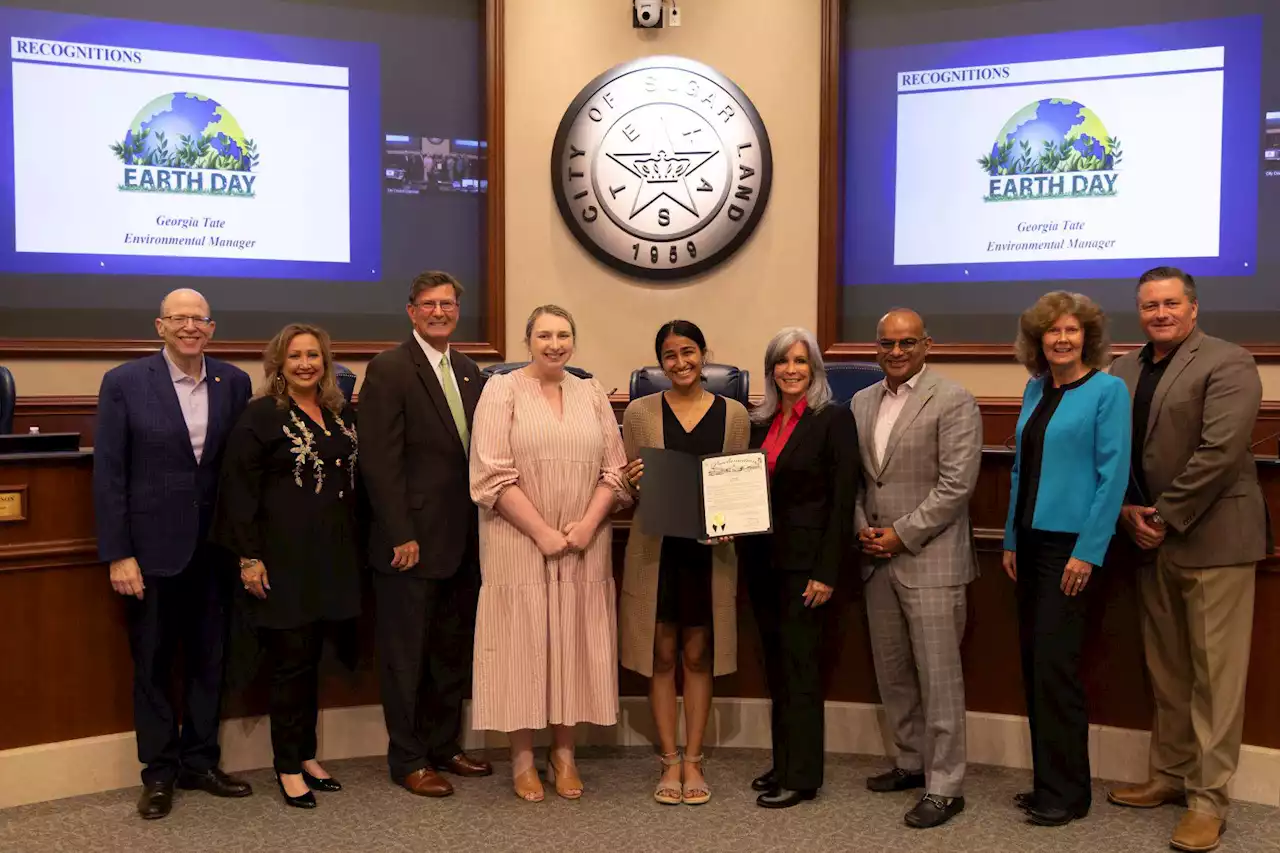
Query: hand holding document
[707, 497]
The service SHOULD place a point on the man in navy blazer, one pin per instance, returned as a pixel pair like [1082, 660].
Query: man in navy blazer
[162, 425]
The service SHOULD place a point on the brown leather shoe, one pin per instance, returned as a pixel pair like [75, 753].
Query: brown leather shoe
[464, 765]
[427, 783]
[1197, 832]
[1149, 795]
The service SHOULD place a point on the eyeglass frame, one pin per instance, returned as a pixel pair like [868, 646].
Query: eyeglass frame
[900, 343]
[179, 321]
[430, 305]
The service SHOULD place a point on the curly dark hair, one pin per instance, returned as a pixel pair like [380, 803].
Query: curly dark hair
[1036, 320]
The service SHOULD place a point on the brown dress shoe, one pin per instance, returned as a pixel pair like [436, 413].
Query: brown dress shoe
[464, 765]
[1149, 795]
[1197, 832]
[427, 783]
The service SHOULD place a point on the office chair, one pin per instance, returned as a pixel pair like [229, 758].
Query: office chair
[723, 379]
[498, 369]
[849, 377]
[346, 380]
[8, 400]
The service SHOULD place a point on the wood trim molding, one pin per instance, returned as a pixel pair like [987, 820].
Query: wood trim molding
[120, 348]
[495, 322]
[829, 179]
[54, 553]
[495, 219]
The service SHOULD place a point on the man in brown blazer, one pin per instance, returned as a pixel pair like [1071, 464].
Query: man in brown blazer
[1196, 510]
[415, 410]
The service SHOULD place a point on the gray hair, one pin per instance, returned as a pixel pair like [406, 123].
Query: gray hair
[819, 394]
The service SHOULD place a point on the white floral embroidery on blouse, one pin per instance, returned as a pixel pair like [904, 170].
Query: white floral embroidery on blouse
[350, 433]
[304, 450]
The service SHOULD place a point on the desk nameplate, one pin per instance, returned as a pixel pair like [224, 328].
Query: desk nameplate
[13, 503]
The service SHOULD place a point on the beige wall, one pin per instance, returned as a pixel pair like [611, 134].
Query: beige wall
[774, 56]
[768, 48]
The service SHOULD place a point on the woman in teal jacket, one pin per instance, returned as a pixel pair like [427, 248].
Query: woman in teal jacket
[1069, 476]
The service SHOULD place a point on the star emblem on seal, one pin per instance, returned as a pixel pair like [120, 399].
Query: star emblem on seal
[661, 168]
[664, 171]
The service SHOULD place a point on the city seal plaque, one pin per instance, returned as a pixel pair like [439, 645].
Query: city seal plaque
[661, 167]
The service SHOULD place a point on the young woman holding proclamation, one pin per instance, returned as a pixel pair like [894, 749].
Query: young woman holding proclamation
[678, 595]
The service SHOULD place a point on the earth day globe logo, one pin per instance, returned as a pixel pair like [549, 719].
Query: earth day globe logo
[186, 131]
[1052, 137]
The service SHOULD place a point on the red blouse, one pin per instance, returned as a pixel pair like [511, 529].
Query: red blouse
[779, 435]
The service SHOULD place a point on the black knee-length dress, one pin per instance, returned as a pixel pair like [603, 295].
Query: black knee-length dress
[684, 568]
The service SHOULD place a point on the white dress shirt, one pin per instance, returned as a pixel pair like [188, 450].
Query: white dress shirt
[890, 408]
[434, 356]
[193, 398]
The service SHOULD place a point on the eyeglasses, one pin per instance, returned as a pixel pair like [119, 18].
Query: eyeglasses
[448, 306]
[905, 344]
[180, 320]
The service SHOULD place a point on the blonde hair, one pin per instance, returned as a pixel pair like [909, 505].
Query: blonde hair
[277, 352]
[1036, 320]
[554, 311]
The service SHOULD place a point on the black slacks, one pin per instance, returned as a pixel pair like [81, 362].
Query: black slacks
[187, 611]
[1051, 633]
[791, 635]
[425, 633]
[294, 656]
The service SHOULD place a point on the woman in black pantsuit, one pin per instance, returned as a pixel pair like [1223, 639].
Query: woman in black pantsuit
[812, 449]
[287, 507]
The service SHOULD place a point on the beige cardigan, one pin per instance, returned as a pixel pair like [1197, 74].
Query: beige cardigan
[637, 613]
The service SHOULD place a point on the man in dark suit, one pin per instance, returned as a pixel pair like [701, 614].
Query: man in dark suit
[415, 410]
[162, 424]
[1196, 510]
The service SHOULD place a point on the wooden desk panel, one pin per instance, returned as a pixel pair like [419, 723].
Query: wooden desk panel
[68, 673]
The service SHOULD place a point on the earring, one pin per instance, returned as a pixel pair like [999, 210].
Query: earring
[278, 385]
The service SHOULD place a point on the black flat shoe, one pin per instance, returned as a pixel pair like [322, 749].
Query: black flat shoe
[784, 798]
[306, 801]
[156, 801]
[933, 810]
[329, 784]
[1053, 815]
[1025, 800]
[214, 782]
[766, 781]
[896, 779]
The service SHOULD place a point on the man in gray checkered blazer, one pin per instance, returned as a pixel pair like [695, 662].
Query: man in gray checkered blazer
[921, 445]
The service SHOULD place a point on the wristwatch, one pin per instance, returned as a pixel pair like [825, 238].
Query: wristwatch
[1156, 519]
[248, 562]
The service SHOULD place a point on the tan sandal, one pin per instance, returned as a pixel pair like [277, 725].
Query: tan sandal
[695, 796]
[528, 786]
[568, 783]
[666, 793]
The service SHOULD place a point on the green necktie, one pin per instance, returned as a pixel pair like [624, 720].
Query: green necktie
[455, 402]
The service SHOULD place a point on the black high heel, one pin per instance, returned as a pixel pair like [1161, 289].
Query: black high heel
[306, 801]
[315, 783]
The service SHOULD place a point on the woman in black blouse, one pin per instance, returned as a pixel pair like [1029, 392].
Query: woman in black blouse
[287, 506]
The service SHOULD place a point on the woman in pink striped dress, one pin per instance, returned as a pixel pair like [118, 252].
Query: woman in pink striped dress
[546, 470]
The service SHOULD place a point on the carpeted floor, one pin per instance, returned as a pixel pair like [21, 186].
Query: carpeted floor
[617, 814]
